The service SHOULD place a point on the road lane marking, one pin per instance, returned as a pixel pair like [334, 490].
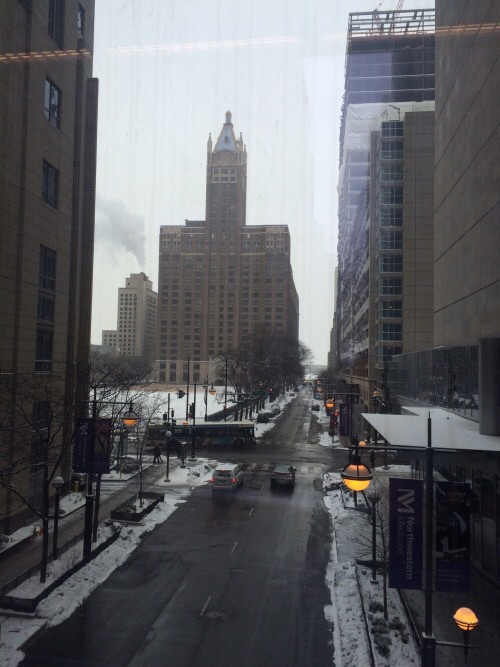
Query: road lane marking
[251, 511]
[234, 548]
[205, 605]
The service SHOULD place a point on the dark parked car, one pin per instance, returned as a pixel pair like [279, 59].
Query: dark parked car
[263, 417]
[283, 475]
[315, 407]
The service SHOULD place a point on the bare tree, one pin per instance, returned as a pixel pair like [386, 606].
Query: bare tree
[35, 437]
[378, 536]
[39, 422]
[266, 360]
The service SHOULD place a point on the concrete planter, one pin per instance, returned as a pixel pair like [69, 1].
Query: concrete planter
[129, 512]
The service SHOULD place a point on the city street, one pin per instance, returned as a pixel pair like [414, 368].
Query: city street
[240, 578]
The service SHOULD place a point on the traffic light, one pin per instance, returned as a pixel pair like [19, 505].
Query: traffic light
[180, 393]
[191, 411]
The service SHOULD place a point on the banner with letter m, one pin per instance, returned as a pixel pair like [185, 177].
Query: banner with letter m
[405, 533]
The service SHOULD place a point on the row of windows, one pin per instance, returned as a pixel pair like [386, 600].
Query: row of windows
[391, 194]
[391, 240]
[391, 286]
[391, 150]
[391, 309]
[390, 331]
[391, 263]
[391, 171]
[391, 217]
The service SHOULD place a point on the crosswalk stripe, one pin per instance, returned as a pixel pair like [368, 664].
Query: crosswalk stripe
[268, 467]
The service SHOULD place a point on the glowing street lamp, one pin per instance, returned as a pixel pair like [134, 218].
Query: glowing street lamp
[130, 419]
[466, 620]
[356, 475]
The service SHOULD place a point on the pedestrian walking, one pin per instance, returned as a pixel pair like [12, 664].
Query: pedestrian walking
[157, 454]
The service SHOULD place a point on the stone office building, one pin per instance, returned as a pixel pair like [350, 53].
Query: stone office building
[135, 320]
[48, 137]
[220, 279]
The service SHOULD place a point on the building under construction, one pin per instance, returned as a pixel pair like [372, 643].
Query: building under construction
[389, 58]
[386, 157]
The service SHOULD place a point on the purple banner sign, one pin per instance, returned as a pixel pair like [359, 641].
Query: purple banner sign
[345, 419]
[405, 533]
[92, 448]
[453, 537]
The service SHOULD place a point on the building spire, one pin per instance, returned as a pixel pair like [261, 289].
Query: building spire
[227, 139]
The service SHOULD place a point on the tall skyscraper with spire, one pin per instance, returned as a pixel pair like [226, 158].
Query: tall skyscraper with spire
[219, 279]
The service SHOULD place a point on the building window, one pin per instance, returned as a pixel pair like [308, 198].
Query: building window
[49, 184]
[393, 128]
[391, 172]
[392, 150]
[391, 240]
[56, 21]
[52, 103]
[390, 286]
[389, 331]
[385, 353]
[47, 269]
[44, 341]
[391, 309]
[80, 21]
[391, 263]
[391, 217]
[46, 308]
[391, 194]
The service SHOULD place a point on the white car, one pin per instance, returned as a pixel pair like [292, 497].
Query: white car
[227, 477]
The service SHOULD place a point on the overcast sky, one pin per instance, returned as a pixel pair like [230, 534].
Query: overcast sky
[168, 71]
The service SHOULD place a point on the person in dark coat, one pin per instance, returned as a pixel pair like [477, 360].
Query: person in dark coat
[157, 454]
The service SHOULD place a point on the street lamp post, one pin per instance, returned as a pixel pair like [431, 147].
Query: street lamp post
[374, 498]
[225, 395]
[57, 483]
[168, 435]
[205, 387]
[91, 510]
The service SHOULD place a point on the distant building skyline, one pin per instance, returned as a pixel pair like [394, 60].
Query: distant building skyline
[220, 280]
[135, 333]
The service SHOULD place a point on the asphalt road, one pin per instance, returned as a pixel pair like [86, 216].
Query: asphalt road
[239, 580]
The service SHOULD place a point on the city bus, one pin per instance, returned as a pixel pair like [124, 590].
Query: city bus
[218, 434]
